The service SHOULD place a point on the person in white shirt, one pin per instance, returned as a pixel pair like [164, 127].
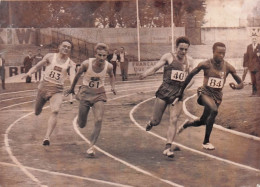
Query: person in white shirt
[92, 92]
[51, 87]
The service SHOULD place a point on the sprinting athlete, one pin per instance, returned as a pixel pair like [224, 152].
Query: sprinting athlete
[210, 94]
[92, 92]
[51, 87]
[176, 67]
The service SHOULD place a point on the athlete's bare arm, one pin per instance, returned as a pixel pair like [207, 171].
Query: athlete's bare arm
[111, 77]
[195, 71]
[191, 66]
[233, 72]
[44, 61]
[72, 71]
[83, 68]
[166, 57]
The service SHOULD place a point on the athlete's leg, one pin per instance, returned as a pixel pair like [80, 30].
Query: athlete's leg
[84, 108]
[98, 111]
[198, 122]
[55, 104]
[158, 110]
[211, 106]
[40, 102]
[175, 112]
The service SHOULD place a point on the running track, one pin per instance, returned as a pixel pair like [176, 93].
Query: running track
[126, 154]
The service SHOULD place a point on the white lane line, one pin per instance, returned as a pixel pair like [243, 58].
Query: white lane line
[118, 159]
[7, 93]
[180, 145]
[127, 90]
[218, 126]
[14, 98]
[8, 148]
[119, 85]
[68, 175]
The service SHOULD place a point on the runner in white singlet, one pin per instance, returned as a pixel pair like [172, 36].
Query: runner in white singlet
[51, 87]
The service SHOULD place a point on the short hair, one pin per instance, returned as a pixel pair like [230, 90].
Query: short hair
[218, 44]
[69, 41]
[101, 46]
[182, 39]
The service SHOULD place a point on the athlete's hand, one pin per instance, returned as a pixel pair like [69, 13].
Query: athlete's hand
[69, 91]
[232, 85]
[141, 76]
[113, 90]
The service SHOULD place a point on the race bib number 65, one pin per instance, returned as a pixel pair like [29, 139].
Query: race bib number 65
[178, 75]
[214, 82]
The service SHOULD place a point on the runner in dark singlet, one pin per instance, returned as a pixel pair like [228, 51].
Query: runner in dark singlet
[176, 66]
[210, 94]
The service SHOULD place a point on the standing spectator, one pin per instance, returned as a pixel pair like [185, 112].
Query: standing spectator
[114, 59]
[123, 63]
[2, 71]
[38, 58]
[27, 62]
[252, 61]
[245, 66]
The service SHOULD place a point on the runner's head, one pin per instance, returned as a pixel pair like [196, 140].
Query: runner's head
[101, 52]
[182, 45]
[65, 47]
[219, 51]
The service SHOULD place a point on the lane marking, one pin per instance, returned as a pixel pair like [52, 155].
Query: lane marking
[118, 159]
[9, 151]
[8, 148]
[127, 90]
[216, 125]
[68, 175]
[183, 146]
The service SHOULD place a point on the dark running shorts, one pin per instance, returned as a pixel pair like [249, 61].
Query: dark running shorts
[214, 94]
[167, 92]
[91, 95]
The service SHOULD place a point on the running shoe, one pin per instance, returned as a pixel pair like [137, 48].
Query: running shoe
[168, 152]
[181, 127]
[91, 152]
[149, 126]
[46, 142]
[208, 146]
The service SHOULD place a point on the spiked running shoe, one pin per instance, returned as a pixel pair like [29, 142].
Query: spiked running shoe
[208, 146]
[46, 142]
[168, 152]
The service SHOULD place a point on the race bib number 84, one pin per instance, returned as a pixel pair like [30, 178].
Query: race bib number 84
[214, 82]
[178, 75]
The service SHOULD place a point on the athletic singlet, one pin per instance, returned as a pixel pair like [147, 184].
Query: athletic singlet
[92, 79]
[175, 72]
[56, 73]
[214, 78]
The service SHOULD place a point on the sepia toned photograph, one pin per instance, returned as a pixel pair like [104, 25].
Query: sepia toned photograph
[130, 93]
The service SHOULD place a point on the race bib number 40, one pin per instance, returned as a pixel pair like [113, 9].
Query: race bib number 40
[214, 82]
[178, 75]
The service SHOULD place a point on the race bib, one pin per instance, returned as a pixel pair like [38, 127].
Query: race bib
[178, 75]
[55, 75]
[94, 82]
[214, 82]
